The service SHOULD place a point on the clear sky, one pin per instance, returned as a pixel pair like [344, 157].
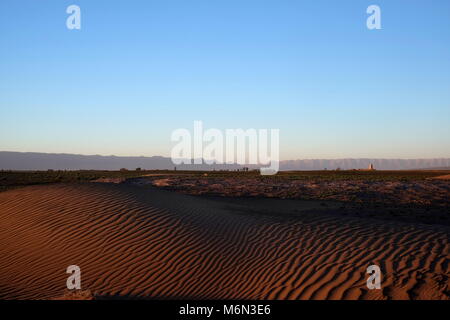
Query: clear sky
[137, 70]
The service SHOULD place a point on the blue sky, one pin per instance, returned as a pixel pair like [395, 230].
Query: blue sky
[137, 70]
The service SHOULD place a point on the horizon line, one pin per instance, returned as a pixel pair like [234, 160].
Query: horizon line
[168, 157]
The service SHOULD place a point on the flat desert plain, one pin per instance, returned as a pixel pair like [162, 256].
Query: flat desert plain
[135, 240]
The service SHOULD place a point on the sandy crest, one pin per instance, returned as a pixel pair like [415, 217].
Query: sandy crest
[140, 242]
[445, 177]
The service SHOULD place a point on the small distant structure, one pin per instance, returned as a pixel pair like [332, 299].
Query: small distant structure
[370, 168]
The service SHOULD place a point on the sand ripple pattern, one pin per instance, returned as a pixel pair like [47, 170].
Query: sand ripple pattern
[135, 242]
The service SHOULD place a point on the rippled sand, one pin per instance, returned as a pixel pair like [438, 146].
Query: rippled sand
[132, 241]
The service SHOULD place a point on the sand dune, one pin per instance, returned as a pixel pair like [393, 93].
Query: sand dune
[445, 177]
[137, 242]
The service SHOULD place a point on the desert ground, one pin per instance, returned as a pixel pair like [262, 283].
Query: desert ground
[148, 235]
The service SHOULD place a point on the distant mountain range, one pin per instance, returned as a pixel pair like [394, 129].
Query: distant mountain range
[45, 161]
[380, 164]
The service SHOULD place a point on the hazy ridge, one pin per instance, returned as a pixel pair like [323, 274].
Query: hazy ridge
[45, 161]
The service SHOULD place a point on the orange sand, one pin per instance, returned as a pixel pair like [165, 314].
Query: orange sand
[446, 177]
[135, 242]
